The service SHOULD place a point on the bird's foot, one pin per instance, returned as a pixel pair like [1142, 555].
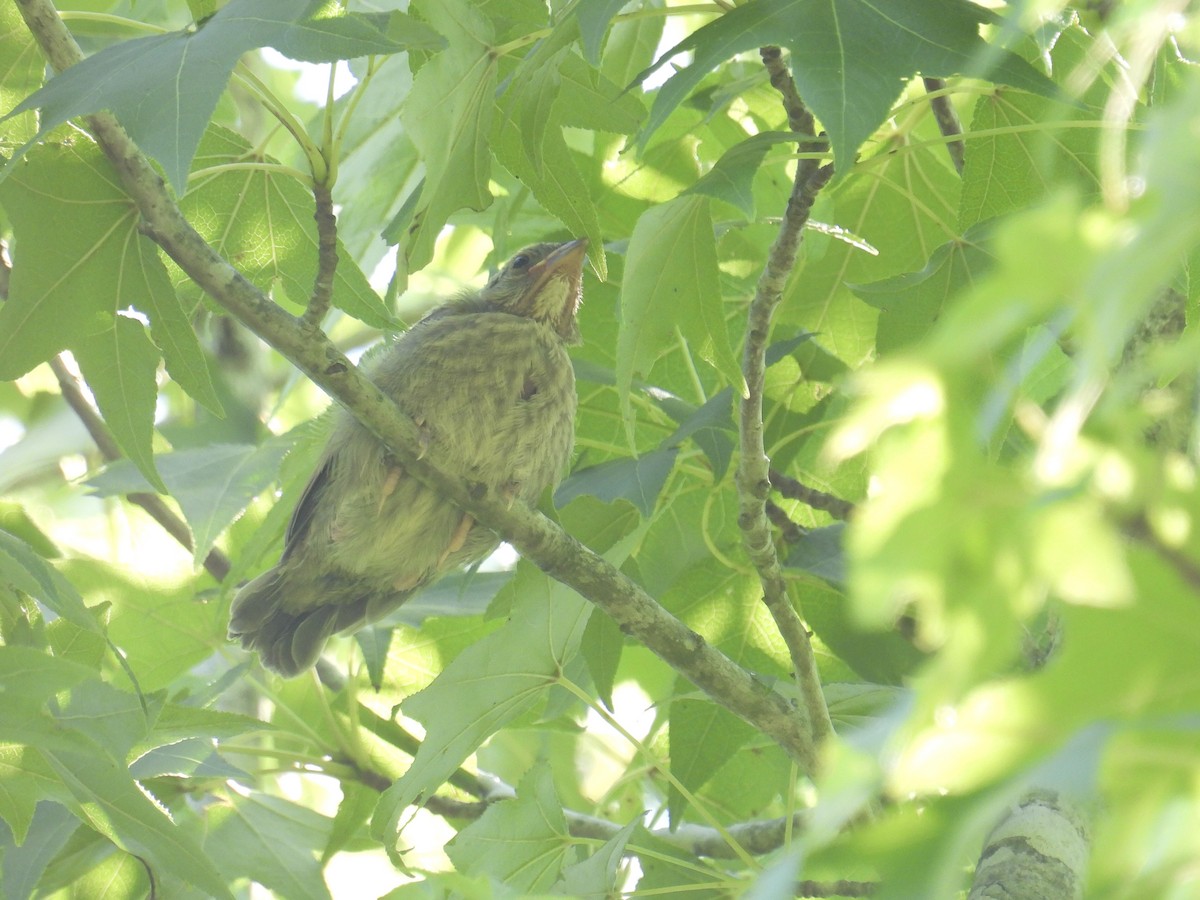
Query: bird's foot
[458, 538]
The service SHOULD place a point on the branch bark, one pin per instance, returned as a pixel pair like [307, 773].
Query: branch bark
[1039, 849]
[533, 535]
[753, 475]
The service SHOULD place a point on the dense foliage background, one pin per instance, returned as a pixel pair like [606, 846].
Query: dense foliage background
[979, 411]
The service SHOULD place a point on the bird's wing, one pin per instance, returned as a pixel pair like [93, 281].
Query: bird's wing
[302, 516]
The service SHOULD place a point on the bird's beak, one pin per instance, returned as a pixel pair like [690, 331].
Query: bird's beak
[566, 260]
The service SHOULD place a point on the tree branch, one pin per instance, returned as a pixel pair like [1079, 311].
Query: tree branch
[534, 536]
[1039, 849]
[947, 119]
[753, 478]
[327, 256]
[795, 490]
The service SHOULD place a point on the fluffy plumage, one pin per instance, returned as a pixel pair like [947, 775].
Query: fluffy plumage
[488, 381]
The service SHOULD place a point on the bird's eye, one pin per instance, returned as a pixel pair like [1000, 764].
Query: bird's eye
[519, 262]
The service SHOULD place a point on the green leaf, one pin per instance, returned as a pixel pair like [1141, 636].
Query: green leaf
[270, 840]
[523, 843]
[31, 677]
[213, 485]
[172, 331]
[587, 99]
[28, 572]
[486, 686]
[264, 221]
[602, 645]
[120, 364]
[189, 758]
[448, 114]
[165, 87]
[66, 280]
[52, 825]
[108, 799]
[352, 816]
[162, 630]
[558, 186]
[17, 522]
[850, 58]
[732, 177]
[25, 781]
[593, 24]
[703, 737]
[596, 876]
[638, 480]
[1028, 148]
[330, 38]
[374, 642]
[671, 280]
[912, 303]
[23, 68]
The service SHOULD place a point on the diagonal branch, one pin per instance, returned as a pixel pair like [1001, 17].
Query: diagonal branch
[534, 536]
[753, 475]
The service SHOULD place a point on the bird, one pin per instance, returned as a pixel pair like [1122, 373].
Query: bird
[488, 382]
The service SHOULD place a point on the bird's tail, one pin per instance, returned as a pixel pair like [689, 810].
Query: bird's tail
[287, 642]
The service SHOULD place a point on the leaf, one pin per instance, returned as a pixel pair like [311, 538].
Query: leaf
[272, 841]
[732, 177]
[486, 686]
[172, 331]
[65, 280]
[850, 58]
[1027, 148]
[602, 645]
[596, 876]
[593, 24]
[25, 781]
[109, 800]
[558, 187]
[448, 114]
[162, 630]
[820, 553]
[189, 758]
[522, 843]
[120, 364]
[165, 87]
[264, 221]
[703, 737]
[49, 830]
[31, 677]
[213, 485]
[28, 572]
[587, 99]
[330, 38]
[374, 642]
[23, 69]
[636, 479]
[17, 522]
[671, 280]
[910, 304]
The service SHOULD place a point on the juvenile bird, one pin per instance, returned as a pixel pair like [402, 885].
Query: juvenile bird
[487, 380]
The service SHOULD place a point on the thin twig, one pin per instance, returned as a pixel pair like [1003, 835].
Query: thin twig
[795, 490]
[216, 563]
[947, 119]
[753, 478]
[789, 530]
[327, 256]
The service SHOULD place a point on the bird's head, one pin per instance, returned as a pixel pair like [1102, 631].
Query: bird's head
[543, 282]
